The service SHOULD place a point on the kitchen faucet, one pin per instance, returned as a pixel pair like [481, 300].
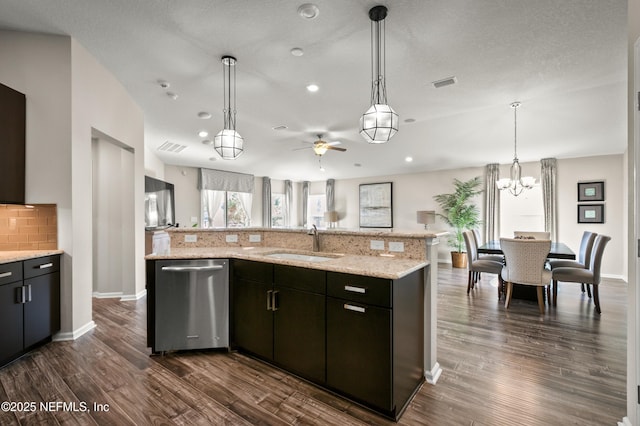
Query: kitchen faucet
[316, 239]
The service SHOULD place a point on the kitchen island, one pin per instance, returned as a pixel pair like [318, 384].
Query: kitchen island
[305, 311]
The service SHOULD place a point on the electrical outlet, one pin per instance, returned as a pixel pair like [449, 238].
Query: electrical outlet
[190, 238]
[396, 246]
[233, 238]
[377, 245]
[254, 238]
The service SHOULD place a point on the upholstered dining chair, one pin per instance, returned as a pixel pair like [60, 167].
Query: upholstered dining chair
[583, 275]
[524, 264]
[476, 265]
[478, 240]
[536, 235]
[584, 257]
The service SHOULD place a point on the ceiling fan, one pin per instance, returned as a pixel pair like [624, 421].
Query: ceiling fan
[320, 147]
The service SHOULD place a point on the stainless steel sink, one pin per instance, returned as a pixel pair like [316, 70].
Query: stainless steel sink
[300, 256]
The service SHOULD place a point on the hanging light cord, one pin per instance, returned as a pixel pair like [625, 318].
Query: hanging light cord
[515, 131]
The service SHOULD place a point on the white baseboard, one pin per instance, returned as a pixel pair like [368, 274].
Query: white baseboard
[625, 422]
[432, 376]
[129, 297]
[99, 295]
[60, 337]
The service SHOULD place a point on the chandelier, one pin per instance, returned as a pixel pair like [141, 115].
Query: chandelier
[228, 143]
[380, 122]
[515, 184]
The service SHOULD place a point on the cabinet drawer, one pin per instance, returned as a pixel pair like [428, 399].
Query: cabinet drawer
[254, 271]
[10, 272]
[312, 280]
[361, 289]
[41, 266]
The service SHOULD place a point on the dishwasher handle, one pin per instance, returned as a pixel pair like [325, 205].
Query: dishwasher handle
[192, 268]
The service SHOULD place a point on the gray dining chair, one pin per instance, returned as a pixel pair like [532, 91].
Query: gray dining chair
[476, 265]
[582, 275]
[525, 264]
[478, 241]
[584, 258]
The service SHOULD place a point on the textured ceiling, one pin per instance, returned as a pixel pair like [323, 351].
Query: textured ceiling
[565, 60]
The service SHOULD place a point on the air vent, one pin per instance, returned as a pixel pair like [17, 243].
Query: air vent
[171, 147]
[444, 82]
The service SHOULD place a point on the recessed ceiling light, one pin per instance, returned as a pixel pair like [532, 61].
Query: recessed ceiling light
[313, 88]
[280, 127]
[172, 95]
[203, 133]
[408, 159]
[207, 142]
[409, 120]
[357, 165]
[296, 51]
[212, 158]
[204, 115]
[164, 84]
[308, 11]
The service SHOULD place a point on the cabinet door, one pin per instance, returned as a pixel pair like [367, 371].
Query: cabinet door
[299, 332]
[359, 351]
[42, 309]
[11, 341]
[253, 322]
[12, 149]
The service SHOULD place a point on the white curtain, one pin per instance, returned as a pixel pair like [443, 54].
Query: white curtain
[288, 196]
[491, 203]
[266, 202]
[548, 168]
[246, 200]
[330, 193]
[211, 201]
[305, 202]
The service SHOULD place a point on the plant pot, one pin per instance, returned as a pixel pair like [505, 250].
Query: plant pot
[459, 259]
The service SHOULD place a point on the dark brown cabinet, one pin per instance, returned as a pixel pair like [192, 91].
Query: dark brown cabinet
[279, 315]
[375, 339]
[12, 145]
[29, 305]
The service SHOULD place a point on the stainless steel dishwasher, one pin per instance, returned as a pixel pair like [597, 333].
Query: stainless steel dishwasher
[192, 304]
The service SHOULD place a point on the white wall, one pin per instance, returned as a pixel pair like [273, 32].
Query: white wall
[69, 94]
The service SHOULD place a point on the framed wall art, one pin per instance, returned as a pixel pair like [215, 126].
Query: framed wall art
[591, 191]
[590, 213]
[376, 208]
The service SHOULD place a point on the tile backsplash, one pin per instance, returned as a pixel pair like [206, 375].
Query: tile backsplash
[33, 227]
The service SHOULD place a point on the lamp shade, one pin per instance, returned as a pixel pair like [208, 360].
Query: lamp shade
[426, 217]
[379, 123]
[229, 144]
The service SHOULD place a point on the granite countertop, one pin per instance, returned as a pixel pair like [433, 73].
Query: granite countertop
[374, 266]
[421, 233]
[19, 255]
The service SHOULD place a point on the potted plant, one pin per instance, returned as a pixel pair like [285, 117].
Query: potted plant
[459, 213]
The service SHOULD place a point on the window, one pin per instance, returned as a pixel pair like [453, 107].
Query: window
[277, 210]
[228, 209]
[522, 213]
[316, 207]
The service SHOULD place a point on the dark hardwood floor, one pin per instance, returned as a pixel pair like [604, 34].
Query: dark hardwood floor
[501, 367]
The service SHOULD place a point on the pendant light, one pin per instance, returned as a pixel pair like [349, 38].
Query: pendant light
[380, 122]
[516, 183]
[228, 143]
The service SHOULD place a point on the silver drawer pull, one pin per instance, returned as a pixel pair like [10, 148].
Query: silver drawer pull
[191, 268]
[6, 274]
[45, 266]
[355, 289]
[354, 308]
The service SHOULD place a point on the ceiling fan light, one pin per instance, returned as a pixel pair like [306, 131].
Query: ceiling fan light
[229, 144]
[320, 149]
[379, 124]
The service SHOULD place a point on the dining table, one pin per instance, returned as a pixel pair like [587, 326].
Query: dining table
[558, 251]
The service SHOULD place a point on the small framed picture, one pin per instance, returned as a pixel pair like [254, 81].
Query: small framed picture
[590, 213]
[591, 191]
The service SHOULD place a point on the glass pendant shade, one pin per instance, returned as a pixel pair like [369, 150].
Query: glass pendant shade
[379, 123]
[229, 144]
[515, 184]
